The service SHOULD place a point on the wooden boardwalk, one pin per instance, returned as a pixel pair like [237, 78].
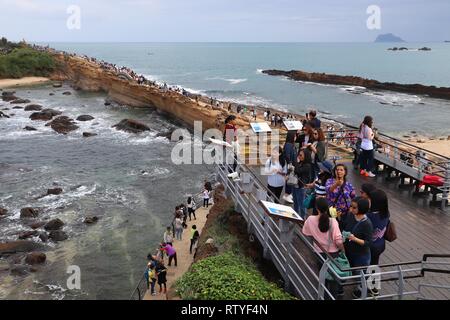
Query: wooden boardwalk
[184, 258]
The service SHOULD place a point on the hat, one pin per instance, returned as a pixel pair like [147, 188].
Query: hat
[325, 166]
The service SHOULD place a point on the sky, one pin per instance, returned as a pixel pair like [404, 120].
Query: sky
[222, 20]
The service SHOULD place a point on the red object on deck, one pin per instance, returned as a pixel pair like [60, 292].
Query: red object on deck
[432, 181]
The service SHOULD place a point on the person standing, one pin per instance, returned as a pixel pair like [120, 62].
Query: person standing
[290, 155]
[318, 149]
[171, 253]
[276, 170]
[178, 227]
[161, 273]
[314, 121]
[339, 190]
[191, 208]
[205, 198]
[379, 216]
[168, 238]
[367, 153]
[303, 170]
[194, 237]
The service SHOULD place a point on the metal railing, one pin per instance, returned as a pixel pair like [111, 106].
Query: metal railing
[296, 257]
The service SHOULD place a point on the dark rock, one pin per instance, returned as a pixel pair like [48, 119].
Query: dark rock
[19, 270]
[28, 128]
[51, 94]
[8, 93]
[425, 49]
[55, 224]
[57, 85]
[28, 213]
[88, 134]
[33, 107]
[35, 258]
[53, 112]
[54, 191]
[167, 134]
[19, 246]
[90, 220]
[43, 236]
[43, 116]
[20, 101]
[3, 211]
[9, 96]
[37, 225]
[85, 118]
[3, 115]
[130, 125]
[17, 107]
[27, 234]
[58, 235]
[67, 93]
[63, 125]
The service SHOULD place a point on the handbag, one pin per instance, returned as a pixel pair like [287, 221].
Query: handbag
[340, 261]
[292, 179]
[309, 200]
[391, 233]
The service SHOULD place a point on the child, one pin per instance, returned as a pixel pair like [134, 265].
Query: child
[205, 198]
[161, 272]
[152, 277]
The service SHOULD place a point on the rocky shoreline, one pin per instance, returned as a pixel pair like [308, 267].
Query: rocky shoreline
[324, 78]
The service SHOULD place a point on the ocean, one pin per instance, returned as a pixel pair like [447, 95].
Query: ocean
[128, 180]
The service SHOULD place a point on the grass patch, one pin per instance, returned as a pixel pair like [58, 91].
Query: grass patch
[22, 62]
[227, 276]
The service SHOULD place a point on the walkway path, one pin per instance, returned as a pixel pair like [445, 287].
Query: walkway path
[184, 258]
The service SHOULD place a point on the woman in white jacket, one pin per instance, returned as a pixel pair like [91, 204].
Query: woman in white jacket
[276, 171]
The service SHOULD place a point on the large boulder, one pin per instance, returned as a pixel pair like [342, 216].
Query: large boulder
[33, 107]
[19, 246]
[85, 117]
[55, 224]
[28, 213]
[130, 125]
[35, 258]
[58, 235]
[44, 115]
[3, 211]
[63, 125]
[9, 96]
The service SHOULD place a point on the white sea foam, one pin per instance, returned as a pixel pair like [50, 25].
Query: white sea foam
[229, 80]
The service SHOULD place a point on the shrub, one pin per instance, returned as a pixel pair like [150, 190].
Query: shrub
[227, 277]
[23, 62]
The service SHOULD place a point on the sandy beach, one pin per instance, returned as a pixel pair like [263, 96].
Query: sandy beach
[441, 147]
[9, 83]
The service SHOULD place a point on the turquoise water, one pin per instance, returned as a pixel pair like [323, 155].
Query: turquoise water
[232, 71]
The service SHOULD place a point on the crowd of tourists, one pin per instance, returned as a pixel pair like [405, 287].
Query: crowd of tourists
[156, 272]
[339, 217]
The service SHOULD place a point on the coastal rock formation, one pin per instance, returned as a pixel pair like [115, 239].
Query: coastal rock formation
[28, 213]
[37, 225]
[425, 49]
[85, 117]
[29, 128]
[55, 224]
[33, 107]
[63, 125]
[130, 125]
[35, 258]
[19, 246]
[88, 76]
[58, 235]
[27, 234]
[432, 91]
[388, 37]
[3, 211]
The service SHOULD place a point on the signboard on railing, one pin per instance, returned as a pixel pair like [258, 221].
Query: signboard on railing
[279, 211]
[260, 127]
[293, 125]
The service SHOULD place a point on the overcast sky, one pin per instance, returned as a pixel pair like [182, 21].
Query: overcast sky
[223, 20]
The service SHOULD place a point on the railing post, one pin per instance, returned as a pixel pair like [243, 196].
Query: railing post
[322, 280]
[445, 192]
[401, 283]
[262, 195]
[286, 237]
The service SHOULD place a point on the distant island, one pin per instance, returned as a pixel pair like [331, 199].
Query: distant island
[388, 37]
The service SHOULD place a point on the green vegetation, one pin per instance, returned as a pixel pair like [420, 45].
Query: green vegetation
[23, 61]
[227, 277]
